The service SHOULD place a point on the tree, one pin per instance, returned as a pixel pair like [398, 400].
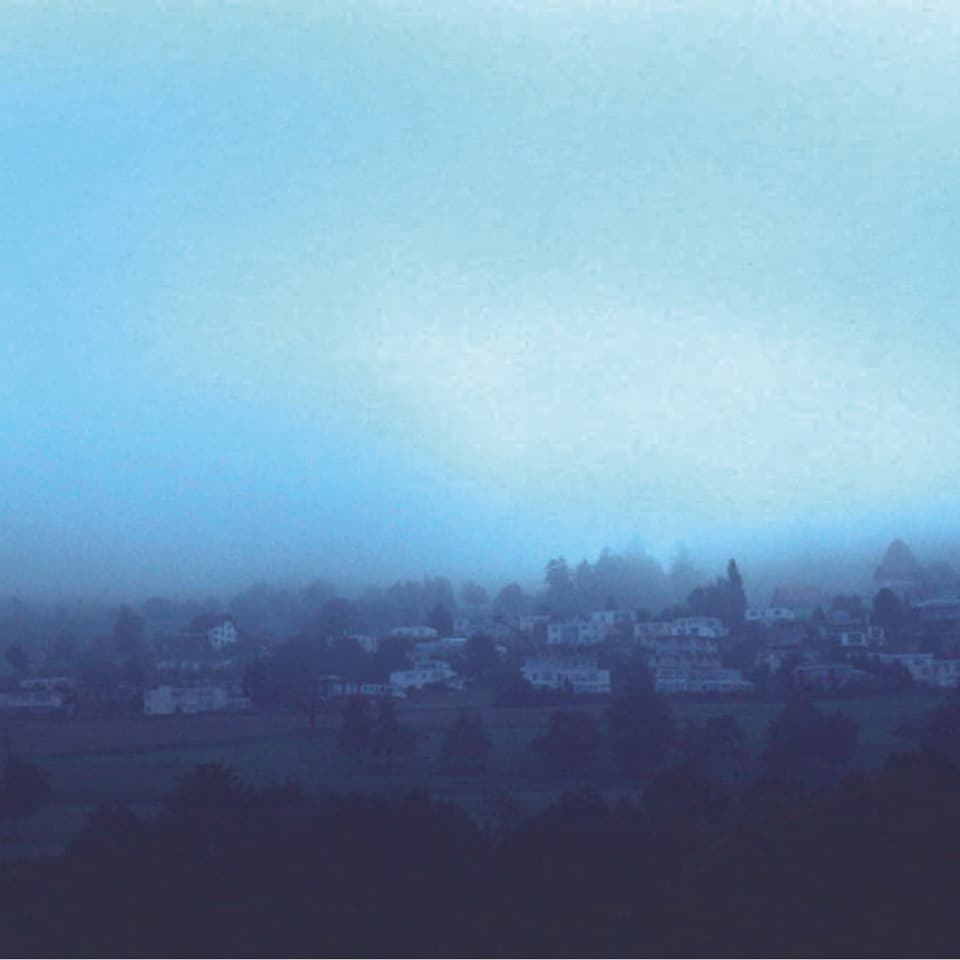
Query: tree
[724, 599]
[465, 743]
[335, 618]
[716, 749]
[510, 602]
[939, 731]
[291, 678]
[736, 598]
[127, 631]
[641, 732]
[561, 596]
[17, 658]
[682, 796]
[356, 731]
[441, 620]
[809, 745]
[388, 736]
[24, 788]
[479, 656]
[683, 575]
[571, 743]
[390, 655]
[889, 614]
[205, 793]
[850, 604]
[473, 595]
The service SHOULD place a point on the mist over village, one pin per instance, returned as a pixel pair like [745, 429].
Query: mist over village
[479, 479]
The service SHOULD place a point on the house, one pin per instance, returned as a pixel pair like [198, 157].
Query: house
[680, 677]
[206, 698]
[857, 635]
[698, 627]
[470, 620]
[425, 673]
[35, 701]
[829, 676]
[415, 633]
[940, 620]
[431, 649]
[366, 643]
[58, 684]
[709, 627]
[336, 687]
[688, 646]
[613, 618]
[768, 616]
[218, 630]
[783, 647]
[926, 670]
[686, 659]
[576, 633]
[580, 674]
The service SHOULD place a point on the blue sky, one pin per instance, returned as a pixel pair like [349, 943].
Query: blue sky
[384, 288]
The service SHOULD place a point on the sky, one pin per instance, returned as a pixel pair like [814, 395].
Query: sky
[375, 289]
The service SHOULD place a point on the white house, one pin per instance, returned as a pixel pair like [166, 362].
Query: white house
[367, 643]
[828, 676]
[425, 673]
[209, 698]
[863, 636]
[579, 673]
[415, 633]
[925, 669]
[612, 618]
[769, 615]
[710, 627]
[576, 633]
[682, 645]
[696, 678]
[33, 701]
[335, 687]
[218, 629]
[698, 627]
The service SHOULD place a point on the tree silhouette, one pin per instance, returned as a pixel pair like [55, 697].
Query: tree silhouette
[127, 631]
[809, 745]
[388, 736]
[24, 788]
[571, 743]
[356, 733]
[465, 743]
[641, 732]
[17, 658]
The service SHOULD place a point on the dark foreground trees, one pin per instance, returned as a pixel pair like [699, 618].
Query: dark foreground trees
[808, 744]
[870, 867]
[570, 745]
[466, 745]
[24, 788]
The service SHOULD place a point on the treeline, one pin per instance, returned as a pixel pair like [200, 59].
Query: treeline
[869, 867]
[690, 866]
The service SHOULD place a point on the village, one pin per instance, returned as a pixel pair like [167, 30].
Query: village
[905, 634]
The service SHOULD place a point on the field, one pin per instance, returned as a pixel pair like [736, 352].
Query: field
[136, 760]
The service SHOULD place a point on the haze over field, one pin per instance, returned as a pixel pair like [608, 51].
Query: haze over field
[383, 288]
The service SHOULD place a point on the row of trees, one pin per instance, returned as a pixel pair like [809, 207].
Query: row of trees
[803, 743]
[637, 581]
[868, 867]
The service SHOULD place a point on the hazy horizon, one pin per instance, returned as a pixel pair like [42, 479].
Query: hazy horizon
[375, 291]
